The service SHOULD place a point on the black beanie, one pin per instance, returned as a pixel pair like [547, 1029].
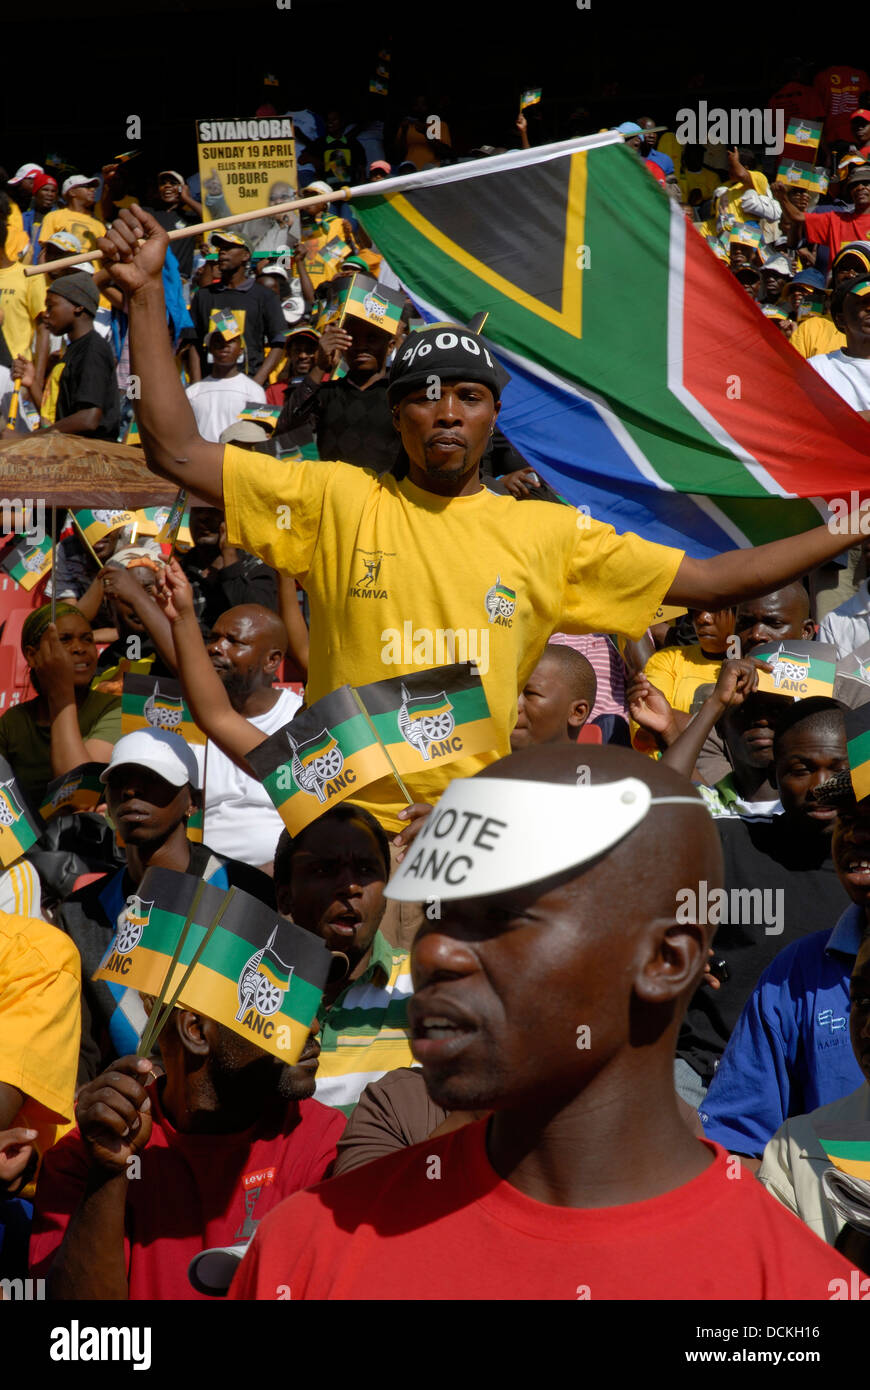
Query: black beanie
[446, 351]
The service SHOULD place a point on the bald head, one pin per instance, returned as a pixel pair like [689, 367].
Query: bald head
[247, 645]
[775, 617]
[599, 945]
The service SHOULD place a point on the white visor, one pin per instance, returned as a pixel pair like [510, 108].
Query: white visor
[489, 834]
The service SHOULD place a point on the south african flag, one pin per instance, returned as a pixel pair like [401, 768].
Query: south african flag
[19, 829]
[156, 702]
[259, 975]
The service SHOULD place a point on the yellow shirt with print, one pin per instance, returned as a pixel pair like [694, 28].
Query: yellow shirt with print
[22, 300]
[816, 335]
[40, 1022]
[81, 224]
[680, 672]
[434, 560]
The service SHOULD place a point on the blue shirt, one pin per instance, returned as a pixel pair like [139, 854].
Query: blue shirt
[664, 162]
[790, 1051]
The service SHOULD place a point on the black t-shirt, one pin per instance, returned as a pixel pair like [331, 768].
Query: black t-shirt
[88, 379]
[767, 855]
[171, 219]
[259, 309]
[352, 425]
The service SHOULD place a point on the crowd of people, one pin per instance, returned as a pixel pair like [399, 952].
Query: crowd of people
[534, 1072]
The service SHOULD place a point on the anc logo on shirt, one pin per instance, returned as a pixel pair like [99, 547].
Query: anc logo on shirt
[132, 921]
[425, 720]
[264, 980]
[315, 762]
[500, 603]
[369, 583]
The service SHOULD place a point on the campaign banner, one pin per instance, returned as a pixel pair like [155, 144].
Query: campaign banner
[246, 163]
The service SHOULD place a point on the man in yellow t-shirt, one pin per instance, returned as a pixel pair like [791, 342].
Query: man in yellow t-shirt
[818, 334]
[79, 194]
[22, 297]
[40, 1027]
[404, 573]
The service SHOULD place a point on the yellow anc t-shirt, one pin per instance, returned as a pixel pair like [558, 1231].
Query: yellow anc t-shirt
[81, 224]
[40, 1022]
[390, 570]
[22, 300]
[817, 334]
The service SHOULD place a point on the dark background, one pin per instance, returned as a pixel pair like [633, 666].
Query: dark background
[72, 75]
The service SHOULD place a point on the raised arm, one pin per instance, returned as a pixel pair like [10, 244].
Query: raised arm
[209, 703]
[737, 679]
[724, 580]
[174, 448]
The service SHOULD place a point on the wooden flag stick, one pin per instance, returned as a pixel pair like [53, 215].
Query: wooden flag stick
[190, 969]
[339, 195]
[146, 1042]
[362, 709]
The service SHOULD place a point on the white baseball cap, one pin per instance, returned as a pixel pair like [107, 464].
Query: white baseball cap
[160, 751]
[173, 174]
[272, 269]
[26, 171]
[78, 181]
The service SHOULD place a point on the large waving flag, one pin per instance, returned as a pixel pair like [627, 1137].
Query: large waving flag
[646, 385]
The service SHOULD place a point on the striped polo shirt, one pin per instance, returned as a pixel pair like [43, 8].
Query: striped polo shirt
[364, 1033]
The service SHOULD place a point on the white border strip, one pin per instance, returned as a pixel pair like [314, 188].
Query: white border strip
[676, 272]
[492, 164]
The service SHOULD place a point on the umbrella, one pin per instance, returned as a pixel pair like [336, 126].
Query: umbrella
[64, 470]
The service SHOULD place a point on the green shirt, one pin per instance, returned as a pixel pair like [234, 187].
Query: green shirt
[26, 745]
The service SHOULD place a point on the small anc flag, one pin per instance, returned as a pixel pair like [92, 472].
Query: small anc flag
[155, 702]
[327, 753]
[802, 139]
[531, 97]
[28, 563]
[163, 523]
[800, 669]
[361, 297]
[229, 323]
[858, 749]
[79, 790]
[801, 175]
[19, 828]
[847, 1145]
[259, 975]
[94, 525]
[133, 436]
[432, 716]
[265, 415]
[667, 613]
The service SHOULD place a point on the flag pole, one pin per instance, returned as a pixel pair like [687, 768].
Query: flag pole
[363, 711]
[54, 564]
[399, 183]
[190, 969]
[146, 1042]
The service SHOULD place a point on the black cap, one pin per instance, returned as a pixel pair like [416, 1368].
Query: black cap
[447, 351]
[78, 288]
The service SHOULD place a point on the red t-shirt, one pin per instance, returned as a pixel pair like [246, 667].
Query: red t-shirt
[796, 99]
[831, 229]
[196, 1191]
[408, 1227]
[839, 89]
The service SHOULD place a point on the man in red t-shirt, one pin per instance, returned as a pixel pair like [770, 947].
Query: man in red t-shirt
[550, 991]
[155, 1174]
[831, 228]
[839, 90]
